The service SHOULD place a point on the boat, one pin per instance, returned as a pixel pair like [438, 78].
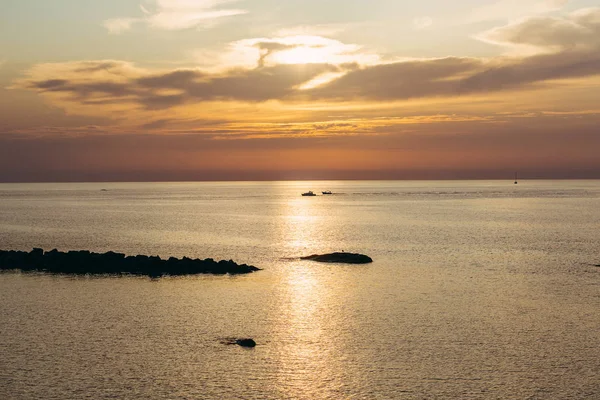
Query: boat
[327, 192]
[308, 194]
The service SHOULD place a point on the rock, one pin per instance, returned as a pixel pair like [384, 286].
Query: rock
[246, 342]
[242, 342]
[37, 252]
[343, 258]
[88, 263]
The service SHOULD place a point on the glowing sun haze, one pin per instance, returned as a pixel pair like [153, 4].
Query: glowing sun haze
[265, 89]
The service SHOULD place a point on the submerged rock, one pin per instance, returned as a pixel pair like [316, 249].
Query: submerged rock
[88, 263]
[243, 342]
[246, 342]
[345, 258]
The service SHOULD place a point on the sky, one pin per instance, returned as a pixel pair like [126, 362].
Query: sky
[178, 90]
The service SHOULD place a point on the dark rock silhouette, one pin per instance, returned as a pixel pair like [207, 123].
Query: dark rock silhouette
[85, 262]
[345, 258]
[243, 342]
[246, 342]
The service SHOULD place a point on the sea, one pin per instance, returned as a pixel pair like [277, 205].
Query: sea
[478, 290]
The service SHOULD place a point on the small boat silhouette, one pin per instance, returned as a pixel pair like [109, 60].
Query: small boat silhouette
[327, 192]
[308, 194]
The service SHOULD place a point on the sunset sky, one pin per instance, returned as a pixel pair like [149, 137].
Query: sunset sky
[122, 90]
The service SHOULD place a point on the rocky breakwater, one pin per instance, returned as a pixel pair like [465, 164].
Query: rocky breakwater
[342, 258]
[88, 263]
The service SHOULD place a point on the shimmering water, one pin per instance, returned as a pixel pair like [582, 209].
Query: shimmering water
[479, 290]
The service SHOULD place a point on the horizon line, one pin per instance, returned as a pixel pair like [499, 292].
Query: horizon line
[297, 180]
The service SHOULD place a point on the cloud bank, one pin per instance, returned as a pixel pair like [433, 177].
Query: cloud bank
[579, 30]
[309, 68]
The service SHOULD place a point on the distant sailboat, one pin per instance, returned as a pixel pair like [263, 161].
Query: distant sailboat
[516, 181]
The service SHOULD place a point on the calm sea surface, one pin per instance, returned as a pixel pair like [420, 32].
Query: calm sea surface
[479, 290]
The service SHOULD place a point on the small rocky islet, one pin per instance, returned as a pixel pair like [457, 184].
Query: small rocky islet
[341, 258]
[242, 342]
[88, 263]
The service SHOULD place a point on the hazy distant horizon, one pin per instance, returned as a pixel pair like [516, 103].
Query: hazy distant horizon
[496, 177]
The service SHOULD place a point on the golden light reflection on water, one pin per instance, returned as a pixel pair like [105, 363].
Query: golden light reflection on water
[307, 368]
[299, 225]
[306, 362]
[301, 219]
